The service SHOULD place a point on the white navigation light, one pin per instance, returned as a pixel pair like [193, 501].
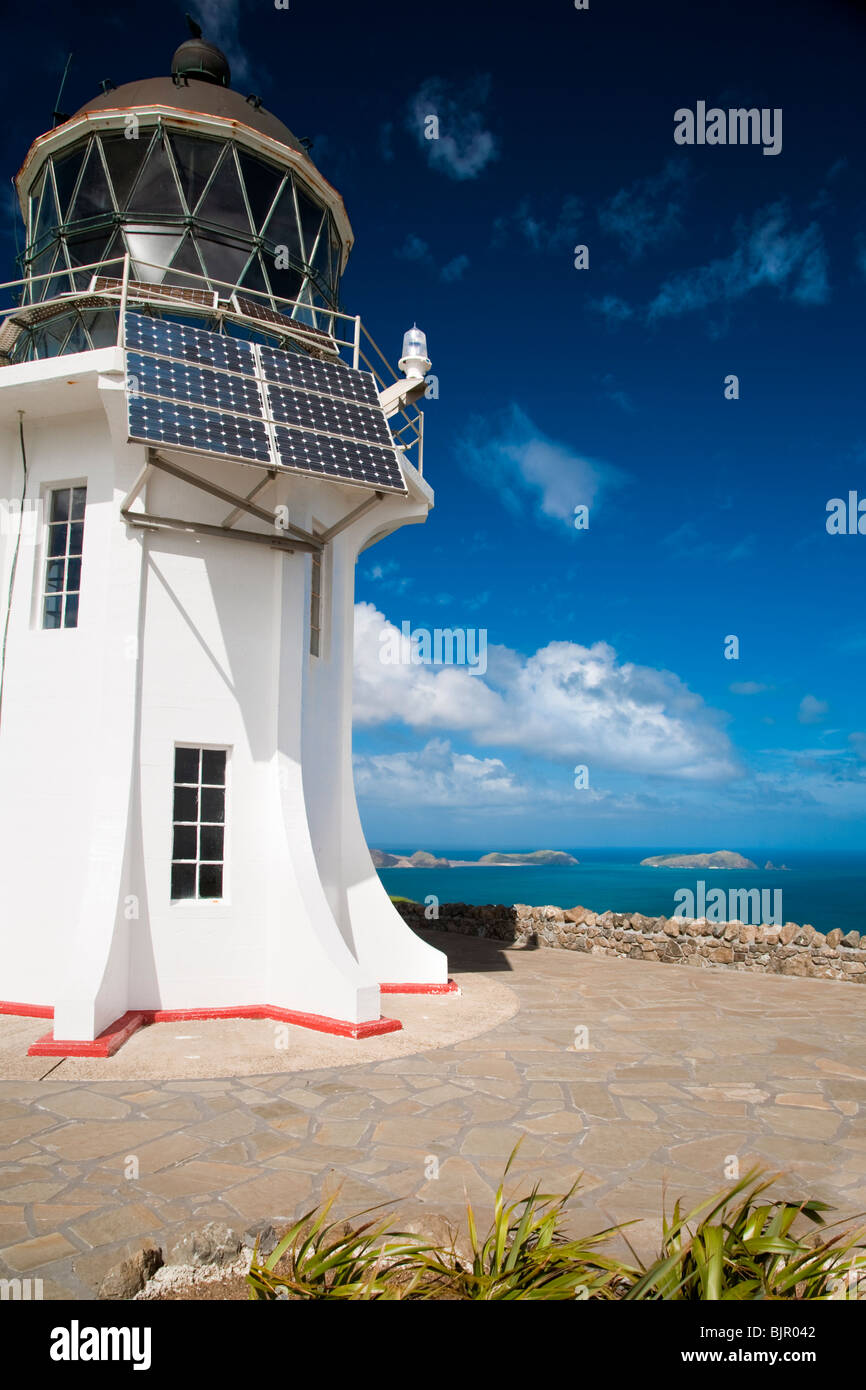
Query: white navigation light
[414, 361]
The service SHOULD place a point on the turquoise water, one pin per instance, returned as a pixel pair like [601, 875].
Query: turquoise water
[827, 890]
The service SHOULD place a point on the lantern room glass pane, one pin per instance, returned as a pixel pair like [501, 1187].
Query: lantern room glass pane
[195, 159]
[94, 195]
[261, 182]
[224, 261]
[66, 172]
[282, 227]
[124, 158]
[156, 190]
[223, 204]
[311, 220]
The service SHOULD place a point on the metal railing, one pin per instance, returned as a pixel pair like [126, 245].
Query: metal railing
[409, 436]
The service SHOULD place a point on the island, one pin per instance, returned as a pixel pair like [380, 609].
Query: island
[422, 859]
[780, 868]
[718, 859]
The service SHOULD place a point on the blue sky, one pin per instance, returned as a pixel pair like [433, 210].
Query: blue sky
[604, 386]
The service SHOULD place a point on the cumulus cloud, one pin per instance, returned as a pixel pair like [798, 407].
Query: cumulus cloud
[463, 147]
[513, 455]
[436, 775]
[768, 253]
[564, 702]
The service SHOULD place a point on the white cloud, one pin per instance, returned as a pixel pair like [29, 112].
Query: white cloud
[812, 710]
[515, 457]
[539, 233]
[436, 776]
[219, 24]
[648, 212]
[770, 253]
[564, 703]
[747, 688]
[464, 147]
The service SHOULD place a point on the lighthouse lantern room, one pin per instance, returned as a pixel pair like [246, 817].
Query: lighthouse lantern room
[196, 443]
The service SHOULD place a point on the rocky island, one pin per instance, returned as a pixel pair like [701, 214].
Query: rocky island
[422, 859]
[718, 859]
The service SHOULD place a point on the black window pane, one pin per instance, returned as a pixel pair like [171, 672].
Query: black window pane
[210, 881]
[57, 539]
[73, 574]
[60, 504]
[185, 804]
[70, 618]
[213, 767]
[79, 498]
[184, 842]
[186, 764]
[52, 614]
[54, 576]
[212, 842]
[183, 880]
[76, 537]
[213, 805]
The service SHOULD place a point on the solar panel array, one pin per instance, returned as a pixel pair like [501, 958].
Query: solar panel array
[205, 393]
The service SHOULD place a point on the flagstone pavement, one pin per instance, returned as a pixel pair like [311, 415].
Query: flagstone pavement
[638, 1076]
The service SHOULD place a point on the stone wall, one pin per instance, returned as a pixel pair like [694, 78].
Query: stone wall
[771, 950]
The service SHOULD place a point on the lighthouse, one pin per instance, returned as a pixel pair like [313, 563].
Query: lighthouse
[196, 443]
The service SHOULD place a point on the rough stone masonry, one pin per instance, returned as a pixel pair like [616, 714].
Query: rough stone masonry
[769, 950]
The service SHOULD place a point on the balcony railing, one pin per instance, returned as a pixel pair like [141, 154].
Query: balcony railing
[322, 331]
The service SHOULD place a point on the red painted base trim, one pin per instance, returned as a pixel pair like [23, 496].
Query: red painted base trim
[319, 1023]
[108, 1042]
[26, 1010]
[116, 1034]
[450, 987]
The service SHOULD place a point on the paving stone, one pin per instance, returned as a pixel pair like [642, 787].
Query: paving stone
[118, 1223]
[33, 1254]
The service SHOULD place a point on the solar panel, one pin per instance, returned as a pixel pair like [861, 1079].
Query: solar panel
[142, 289]
[181, 426]
[189, 344]
[194, 390]
[341, 458]
[291, 369]
[324, 413]
[159, 376]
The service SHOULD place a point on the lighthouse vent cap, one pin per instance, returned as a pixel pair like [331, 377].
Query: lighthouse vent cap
[196, 58]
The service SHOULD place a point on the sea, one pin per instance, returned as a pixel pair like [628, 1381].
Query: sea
[826, 889]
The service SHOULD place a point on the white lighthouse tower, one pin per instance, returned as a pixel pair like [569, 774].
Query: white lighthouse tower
[194, 449]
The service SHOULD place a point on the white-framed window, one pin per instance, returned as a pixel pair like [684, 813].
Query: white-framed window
[198, 823]
[64, 547]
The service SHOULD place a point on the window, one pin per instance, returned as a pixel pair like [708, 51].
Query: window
[316, 604]
[199, 816]
[63, 558]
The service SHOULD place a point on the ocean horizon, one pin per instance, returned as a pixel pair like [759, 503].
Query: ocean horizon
[824, 888]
